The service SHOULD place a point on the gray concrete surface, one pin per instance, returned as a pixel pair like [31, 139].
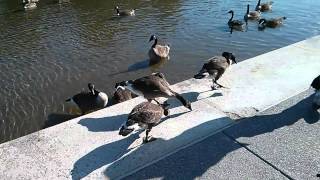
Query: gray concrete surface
[89, 146]
[279, 143]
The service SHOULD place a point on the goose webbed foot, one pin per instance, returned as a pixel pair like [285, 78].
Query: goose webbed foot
[166, 112]
[216, 86]
[148, 139]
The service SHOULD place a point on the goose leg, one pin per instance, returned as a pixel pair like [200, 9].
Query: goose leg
[147, 139]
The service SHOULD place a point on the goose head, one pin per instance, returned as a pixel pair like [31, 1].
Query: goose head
[229, 56]
[153, 37]
[122, 85]
[165, 107]
[262, 21]
[231, 11]
[127, 127]
[91, 88]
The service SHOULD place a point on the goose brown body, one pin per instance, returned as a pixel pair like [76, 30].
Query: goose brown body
[157, 51]
[267, 6]
[146, 115]
[251, 15]
[271, 23]
[153, 86]
[124, 12]
[88, 101]
[216, 66]
[235, 24]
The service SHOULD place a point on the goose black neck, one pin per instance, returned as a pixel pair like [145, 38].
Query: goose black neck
[118, 12]
[155, 42]
[259, 1]
[248, 9]
[96, 92]
[231, 17]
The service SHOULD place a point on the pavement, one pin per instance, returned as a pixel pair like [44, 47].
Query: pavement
[281, 142]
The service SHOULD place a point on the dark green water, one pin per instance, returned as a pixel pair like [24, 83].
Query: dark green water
[52, 52]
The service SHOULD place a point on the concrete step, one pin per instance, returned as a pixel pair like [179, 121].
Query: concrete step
[90, 147]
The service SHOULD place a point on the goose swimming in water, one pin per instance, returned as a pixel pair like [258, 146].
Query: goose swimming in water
[29, 5]
[89, 101]
[251, 15]
[157, 51]
[271, 23]
[146, 115]
[215, 67]
[316, 85]
[153, 86]
[121, 95]
[235, 24]
[124, 12]
[264, 6]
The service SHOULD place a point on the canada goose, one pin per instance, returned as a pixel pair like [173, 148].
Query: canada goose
[153, 86]
[157, 51]
[121, 95]
[146, 115]
[235, 24]
[215, 67]
[271, 23]
[29, 5]
[264, 6]
[89, 101]
[124, 12]
[316, 85]
[251, 15]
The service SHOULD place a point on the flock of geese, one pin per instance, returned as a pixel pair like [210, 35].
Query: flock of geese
[146, 115]
[255, 16]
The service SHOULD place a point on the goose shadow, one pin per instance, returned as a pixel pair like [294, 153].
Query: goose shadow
[151, 151]
[107, 153]
[144, 64]
[101, 156]
[57, 118]
[212, 150]
[190, 96]
[111, 123]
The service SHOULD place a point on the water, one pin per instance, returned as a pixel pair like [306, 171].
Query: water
[52, 52]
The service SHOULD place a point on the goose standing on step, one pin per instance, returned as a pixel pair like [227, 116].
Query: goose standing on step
[271, 23]
[235, 24]
[153, 86]
[215, 67]
[251, 15]
[145, 115]
[121, 95]
[124, 12]
[264, 6]
[89, 101]
[316, 85]
[157, 51]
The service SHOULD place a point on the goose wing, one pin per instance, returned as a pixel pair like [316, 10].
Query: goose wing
[162, 50]
[146, 113]
[121, 95]
[152, 85]
[217, 62]
[237, 23]
[85, 100]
